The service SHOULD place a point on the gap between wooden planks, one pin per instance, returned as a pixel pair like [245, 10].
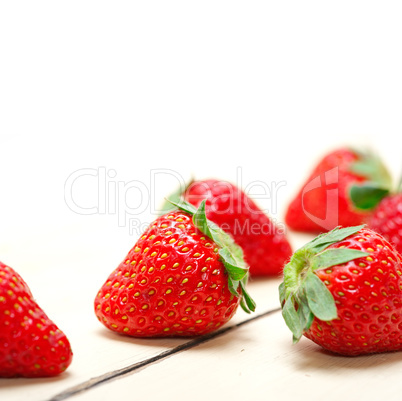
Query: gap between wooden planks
[96, 381]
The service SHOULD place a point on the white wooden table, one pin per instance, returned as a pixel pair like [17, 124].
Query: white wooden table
[251, 357]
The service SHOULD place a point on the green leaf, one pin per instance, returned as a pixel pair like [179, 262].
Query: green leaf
[246, 296]
[320, 300]
[235, 272]
[309, 321]
[308, 295]
[305, 315]
[244, 306]
[370, 166]
[233, 286]
[200, 220]
[295, 339]
[184, 206]
[325, 240]
[367, 196]
[230, 253]
[336, 256]
[292, 319]
[282, 292]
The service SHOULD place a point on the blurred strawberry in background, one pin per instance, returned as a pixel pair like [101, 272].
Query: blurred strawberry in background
[265, 246]
[329, 197]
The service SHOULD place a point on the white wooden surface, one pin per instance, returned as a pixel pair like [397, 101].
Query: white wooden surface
[96, 350]
[255, 358]
[256, 361]
[251, 92]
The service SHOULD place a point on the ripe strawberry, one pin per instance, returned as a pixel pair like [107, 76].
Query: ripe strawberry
[183, 277]
[324, 201]
[387, 220]
[265, 246]
[31, 345]
[343, 290]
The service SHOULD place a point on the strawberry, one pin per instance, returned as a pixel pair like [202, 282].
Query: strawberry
[343, 290]
[386, 207]
[324, 201]
[31, 345]
[183, 277]
[265, 246]
[387, 220]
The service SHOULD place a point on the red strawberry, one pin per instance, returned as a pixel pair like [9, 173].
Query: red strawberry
[264, 244]
[324, 201]
[343, 290]
[386, 217]
[31, 345]
[387, 220]
[183, 277]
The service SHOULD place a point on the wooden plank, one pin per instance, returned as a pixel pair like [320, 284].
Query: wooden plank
[66, 286]
[258, 361]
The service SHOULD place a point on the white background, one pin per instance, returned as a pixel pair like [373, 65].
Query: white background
[201, 88]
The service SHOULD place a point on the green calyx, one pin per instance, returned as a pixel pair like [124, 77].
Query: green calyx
[302, 294]
[378, 183]
[230, 253]
[367, 196]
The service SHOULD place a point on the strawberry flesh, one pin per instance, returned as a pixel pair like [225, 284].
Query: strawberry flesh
[171, 283]
[387, 220]
[367, 294]
[316, 201]
[31, 345]
[264, 244]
